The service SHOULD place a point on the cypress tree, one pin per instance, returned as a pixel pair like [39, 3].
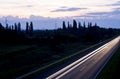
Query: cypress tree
[74, 24]
[64, 25]
[84, 25]
[16, 27]
[79, 25]
[31, 28]
[27, 27]
[1, 27]
[19, 27]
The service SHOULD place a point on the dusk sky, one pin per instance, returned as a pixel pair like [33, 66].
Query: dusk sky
[45, 13]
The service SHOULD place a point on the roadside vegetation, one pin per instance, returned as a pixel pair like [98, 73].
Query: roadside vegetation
[22, 51]
[20, 59]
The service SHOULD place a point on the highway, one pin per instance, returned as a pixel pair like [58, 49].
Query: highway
[89, 66]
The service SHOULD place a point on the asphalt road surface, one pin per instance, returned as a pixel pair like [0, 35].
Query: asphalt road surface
[90, 65]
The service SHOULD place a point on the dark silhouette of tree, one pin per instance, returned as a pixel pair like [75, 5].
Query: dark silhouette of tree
[12, 27]
[74, 24]
[1, 27]
[7, 27]
[79, 25]
[95, 25]
[16, 27]
[64, 25]
[90, 24]
[68, 33]
[31, 28]
[84, 25]
[19, 27]
[68, 25]
[27, 28]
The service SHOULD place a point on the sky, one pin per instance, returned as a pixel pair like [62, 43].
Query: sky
[49, 14]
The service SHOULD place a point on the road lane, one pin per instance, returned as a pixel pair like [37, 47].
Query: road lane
[74, 64]
[88, 67]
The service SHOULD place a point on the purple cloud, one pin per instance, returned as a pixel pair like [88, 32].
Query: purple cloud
[114, 4]
[29, 6]
[98, 13]
[25, 6]
[64, 9]
[116, 11]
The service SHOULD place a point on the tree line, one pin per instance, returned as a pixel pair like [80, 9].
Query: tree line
[17, 27]
[14, 33]
[87, 32]
[77, 25]
[75, 32]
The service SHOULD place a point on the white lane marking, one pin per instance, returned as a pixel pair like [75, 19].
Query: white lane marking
[61, 75]
[66, 68]
[106, 61]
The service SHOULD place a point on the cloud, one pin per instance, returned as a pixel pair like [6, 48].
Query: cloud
[24, 6]
[116, 11]
[114, 14]
[98, 13]
[114, 4]
[28, 6]
[65, 9]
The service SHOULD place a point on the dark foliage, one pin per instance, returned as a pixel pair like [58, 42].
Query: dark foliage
[64, 26]
[89, 33]
[71, 33]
